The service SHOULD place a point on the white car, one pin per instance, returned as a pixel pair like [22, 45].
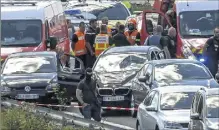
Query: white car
[166, 108]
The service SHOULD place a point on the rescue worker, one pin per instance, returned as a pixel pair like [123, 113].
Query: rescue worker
[132, 34]
[86, 94]
[102, 40]
[117, 29]
[120, 39]
[105, 21]
[155, 38]
[90, 38]
[79, 44]
[171, 15]
[169, 41]
[211, 52]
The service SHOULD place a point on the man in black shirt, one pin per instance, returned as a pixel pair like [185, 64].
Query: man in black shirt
[90, 38]
[86, 94]
[120, 39]
[211, 52]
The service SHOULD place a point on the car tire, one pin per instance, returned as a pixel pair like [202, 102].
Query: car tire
[132, 105]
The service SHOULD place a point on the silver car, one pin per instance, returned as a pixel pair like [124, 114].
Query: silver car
[166, 108]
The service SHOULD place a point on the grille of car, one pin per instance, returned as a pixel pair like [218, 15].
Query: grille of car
[121, 91]
[32, 88]
[105, 91]
[184, 125]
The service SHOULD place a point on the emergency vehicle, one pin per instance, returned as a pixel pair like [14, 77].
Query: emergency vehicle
[195, 21]
[30, 25]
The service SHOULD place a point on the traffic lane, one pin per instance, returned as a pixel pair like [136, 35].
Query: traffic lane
[117, 117]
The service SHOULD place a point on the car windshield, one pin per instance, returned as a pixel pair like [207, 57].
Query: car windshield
[30, 64]
[198, 23]
[172, 72]
[213, 106]
[176, 100]
[120, 62]
[21, 32]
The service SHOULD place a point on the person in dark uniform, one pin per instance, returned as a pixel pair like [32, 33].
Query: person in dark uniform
[90, 38]
[117, 29]
[211, 52]
[86, 94]
[120, 39]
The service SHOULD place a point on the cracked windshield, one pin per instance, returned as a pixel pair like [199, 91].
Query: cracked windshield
[109, 64]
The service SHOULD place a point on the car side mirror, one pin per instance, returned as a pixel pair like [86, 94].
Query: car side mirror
[142, 79]
[51, 42]
[195, 116]
[217, 76]
[151, 108]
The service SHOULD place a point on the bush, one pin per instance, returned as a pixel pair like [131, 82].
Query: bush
[19, 119]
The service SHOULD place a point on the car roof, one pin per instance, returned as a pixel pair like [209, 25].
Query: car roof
[179, 88]
[41, 53]
[129, 49]
[167, 61]
[212, 91]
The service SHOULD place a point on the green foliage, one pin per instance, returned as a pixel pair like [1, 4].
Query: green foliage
[20, 119]
[60, 95]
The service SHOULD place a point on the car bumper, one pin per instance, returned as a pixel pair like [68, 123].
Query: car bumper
[175, 129]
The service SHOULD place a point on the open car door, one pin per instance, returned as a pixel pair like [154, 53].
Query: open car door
[150, 19]
[70, 74]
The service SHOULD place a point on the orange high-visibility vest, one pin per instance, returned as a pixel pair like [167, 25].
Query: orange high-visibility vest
[101, 43]
[109, 31]
[131, 37]
[80, 46]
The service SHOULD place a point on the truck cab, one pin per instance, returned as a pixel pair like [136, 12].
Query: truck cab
[194, 22]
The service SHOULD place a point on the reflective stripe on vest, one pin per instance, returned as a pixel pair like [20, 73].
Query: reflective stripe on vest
[132, 37]
[80, 47]
[101, 43]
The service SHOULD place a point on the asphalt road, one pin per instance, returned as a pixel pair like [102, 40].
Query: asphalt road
[115, 117]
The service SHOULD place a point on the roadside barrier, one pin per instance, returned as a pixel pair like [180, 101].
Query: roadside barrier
[76, 106]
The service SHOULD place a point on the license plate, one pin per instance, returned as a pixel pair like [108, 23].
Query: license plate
[113, 98]
[27, 96]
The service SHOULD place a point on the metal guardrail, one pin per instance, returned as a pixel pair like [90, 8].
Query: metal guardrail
[62, 117]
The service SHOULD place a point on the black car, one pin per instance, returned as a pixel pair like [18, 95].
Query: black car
[35, 75]
[161, 73]
[116, 67]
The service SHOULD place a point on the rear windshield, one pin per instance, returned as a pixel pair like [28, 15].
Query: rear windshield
[21, 32]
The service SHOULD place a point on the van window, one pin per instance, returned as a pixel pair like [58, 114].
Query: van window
[198, 23]
[21, 32]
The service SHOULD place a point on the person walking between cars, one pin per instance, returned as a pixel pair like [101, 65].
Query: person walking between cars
[211, 52]
[79, 44]
[132, 33]
[90, 38]
[120, 39]
[86, 94]
[102, 40]
[155, 38]
[168, 43]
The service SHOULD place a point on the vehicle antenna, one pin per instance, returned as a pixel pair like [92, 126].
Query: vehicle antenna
[187, 3]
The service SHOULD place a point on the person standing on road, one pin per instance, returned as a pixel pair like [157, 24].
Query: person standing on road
[168, 43]
[105, 21]
[86, 94]
[155, 38]
[132, 34]
[79, 45]
[90, 38]
[120, 39]
[211, 52]
[102, 41]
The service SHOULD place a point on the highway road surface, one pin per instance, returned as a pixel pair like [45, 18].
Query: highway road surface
[115, 117]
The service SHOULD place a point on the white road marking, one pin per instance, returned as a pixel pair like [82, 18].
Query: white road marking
[103, 121]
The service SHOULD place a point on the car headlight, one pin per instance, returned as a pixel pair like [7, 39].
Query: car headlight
[172, 125]
[4, 89]
[53, 84]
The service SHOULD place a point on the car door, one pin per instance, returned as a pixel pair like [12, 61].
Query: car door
[144, 113]
[137, 87]
[151, 18]
[68, 75]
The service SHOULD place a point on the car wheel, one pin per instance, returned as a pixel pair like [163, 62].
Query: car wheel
[133, 112]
